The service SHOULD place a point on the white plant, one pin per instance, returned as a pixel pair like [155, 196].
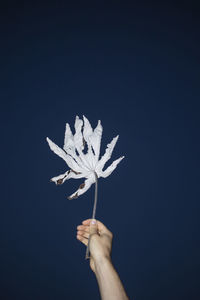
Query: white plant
[84, 164]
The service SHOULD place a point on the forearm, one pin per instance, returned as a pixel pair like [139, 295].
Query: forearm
[110, 285]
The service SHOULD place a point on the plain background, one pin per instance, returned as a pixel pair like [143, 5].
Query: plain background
[135, 66]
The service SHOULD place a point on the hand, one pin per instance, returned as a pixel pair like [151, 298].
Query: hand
[100, 241]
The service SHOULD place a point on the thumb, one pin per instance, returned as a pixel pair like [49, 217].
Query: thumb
[93, 227]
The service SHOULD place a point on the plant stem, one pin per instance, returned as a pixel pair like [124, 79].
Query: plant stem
[87, 255]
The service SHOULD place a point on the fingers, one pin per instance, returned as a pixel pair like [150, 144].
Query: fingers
[101, 227]
[83, 228]
[83, 234]
[82, 239]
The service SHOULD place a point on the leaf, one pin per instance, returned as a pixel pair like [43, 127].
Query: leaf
[82, 188]
[67, 158]
[107, 155]
[111, 168]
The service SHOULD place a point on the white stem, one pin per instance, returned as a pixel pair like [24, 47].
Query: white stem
[87, 255]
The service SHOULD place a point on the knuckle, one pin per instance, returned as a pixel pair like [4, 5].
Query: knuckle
[110, 234]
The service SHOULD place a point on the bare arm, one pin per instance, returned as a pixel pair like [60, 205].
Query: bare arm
[110, 285]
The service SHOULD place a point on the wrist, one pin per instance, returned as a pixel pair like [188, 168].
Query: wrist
[101, 262]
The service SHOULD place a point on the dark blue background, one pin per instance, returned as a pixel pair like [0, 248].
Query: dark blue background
[136, 68]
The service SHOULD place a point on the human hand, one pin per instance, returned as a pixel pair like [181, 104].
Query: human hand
[100, 241]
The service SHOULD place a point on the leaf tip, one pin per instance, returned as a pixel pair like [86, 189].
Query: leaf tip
[116, 138]
[73, 197]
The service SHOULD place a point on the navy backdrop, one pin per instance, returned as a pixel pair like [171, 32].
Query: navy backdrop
[136, 68]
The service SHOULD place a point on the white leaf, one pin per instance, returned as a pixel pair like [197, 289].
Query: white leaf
[67, 158]
[82, 188]
[60, 179]
[87, 129]
[78, 136]
[84, 165]
[111, 168]
[68, 141]
[95, 139]
[107, 154]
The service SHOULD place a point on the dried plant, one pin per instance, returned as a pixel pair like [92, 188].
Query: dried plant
[81, 154]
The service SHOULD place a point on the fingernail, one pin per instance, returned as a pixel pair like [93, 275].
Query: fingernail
[93, 221]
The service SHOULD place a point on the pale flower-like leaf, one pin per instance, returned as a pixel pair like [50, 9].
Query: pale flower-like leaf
[84, 164]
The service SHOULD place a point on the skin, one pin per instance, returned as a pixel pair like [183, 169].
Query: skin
[100, 247]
